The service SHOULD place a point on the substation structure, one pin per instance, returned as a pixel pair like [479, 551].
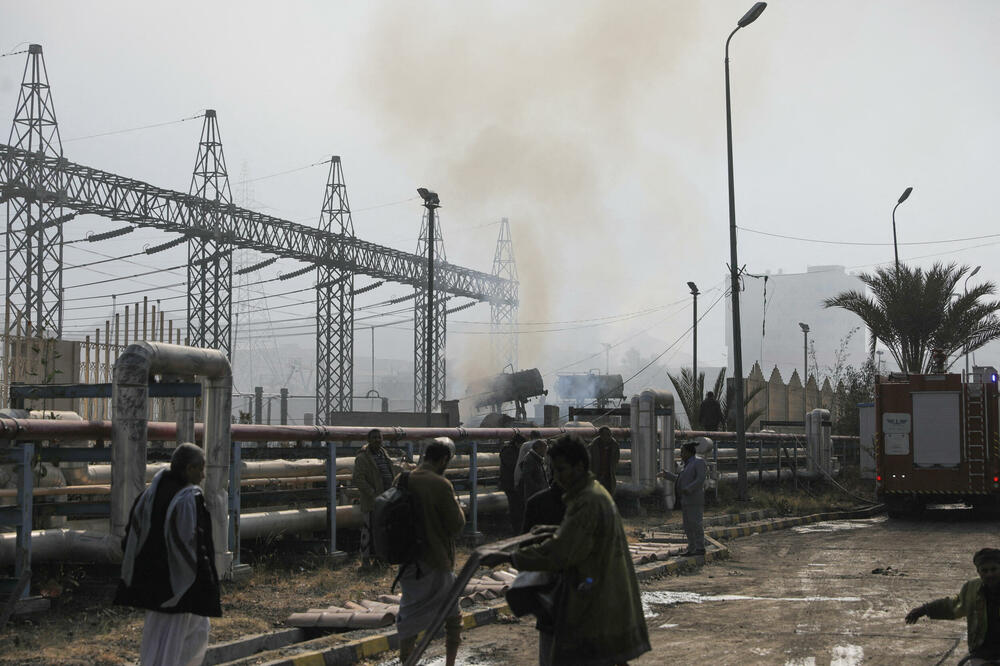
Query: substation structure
[43, 190]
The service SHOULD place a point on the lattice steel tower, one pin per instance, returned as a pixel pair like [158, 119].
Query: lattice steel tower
[503, 316]
[210, 256]
[420, 322]
[335, 308]
[34, 271]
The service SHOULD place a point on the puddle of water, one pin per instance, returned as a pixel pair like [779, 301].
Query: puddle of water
[671, 598]
[808, 661]
[847, 655]
[667, 626]
[464, 659]
[838, 525]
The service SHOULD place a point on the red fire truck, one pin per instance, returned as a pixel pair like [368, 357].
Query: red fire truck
[937, 440]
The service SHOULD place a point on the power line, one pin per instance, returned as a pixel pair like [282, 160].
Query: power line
[200, 114]
[836, 242]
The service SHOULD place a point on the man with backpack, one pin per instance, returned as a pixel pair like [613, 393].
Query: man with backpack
[425, 582]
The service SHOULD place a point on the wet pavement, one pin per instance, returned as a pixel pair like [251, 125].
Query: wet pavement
[828, 593]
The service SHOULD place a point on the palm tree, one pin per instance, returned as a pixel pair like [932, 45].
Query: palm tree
[691, 394]
[912, 312]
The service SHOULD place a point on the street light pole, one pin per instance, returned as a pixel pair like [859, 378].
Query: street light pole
[902, 198]
[734, 273]
[805, 353]
[694, 354]
[431, 202]
[966, 289]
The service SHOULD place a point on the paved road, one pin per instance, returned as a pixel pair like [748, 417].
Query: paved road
[802, 596]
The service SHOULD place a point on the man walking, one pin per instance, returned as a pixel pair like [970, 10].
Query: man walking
[425, 583]
[979, 603]
[598, 620]
[168, 565]
[373, 474]
[690, 489]
[530, 474]
[604, 454]
[508, 464]
[710, 412]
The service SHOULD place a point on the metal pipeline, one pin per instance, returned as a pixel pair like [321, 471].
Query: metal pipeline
[92, 546]
[162, 431]
[133, 370]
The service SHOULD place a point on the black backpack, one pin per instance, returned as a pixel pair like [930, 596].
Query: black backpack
[397, 531]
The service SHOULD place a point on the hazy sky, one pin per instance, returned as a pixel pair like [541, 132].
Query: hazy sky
[597, 128]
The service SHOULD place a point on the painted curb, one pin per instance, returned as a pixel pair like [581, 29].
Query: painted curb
[369, 646]
[791, 521]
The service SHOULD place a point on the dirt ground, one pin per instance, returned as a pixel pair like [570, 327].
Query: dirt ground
[84, 628]
[829, 593]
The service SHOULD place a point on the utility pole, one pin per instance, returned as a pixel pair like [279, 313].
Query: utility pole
[694, 355]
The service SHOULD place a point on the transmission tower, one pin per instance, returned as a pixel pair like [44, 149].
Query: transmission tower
[503, 316]
[210, 260]
[34, 272]
[421, 320]
[334, 308]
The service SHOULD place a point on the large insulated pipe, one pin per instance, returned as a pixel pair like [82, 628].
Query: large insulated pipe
[645, 426]
[133, 370]
[75, 545]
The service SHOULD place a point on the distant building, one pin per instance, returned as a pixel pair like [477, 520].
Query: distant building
[771, 308]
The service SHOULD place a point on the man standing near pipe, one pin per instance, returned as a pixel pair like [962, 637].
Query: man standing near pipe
[168, 566]
[598, 620]
[508, 463]
[710, 413]
[425, 584]
[690, 489]
[604, 453]
[373, 474]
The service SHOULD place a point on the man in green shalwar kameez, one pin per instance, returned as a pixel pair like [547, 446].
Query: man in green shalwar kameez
[598, 619]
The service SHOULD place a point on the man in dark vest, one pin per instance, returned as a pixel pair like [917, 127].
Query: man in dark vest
[710, 412]
[168, 566]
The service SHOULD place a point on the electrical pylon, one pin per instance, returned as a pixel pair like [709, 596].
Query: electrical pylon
[334, 308]
[420, 321]
[210, 259]
[503, 316]
[34, 272]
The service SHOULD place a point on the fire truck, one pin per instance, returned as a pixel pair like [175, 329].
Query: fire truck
[937, 440]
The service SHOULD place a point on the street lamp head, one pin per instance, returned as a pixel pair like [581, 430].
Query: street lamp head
[906, 193]
[430, 198]
[804, 327]
[752, 15]
[694, 288]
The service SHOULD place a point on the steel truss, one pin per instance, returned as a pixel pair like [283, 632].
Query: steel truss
[94, 192]
[210, 257]
[34, 262]
[335, 308]
[503, 315]
[421, 321]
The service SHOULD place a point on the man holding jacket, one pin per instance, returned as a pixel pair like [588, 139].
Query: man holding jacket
[690, 490]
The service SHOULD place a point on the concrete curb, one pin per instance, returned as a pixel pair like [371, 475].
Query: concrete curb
[791, 521]
[370, 646]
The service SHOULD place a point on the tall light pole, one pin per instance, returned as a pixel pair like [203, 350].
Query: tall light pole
[902, 197]
[805, 353]
[974, 271]
[734, 272]
[431, 202]
[694, 354]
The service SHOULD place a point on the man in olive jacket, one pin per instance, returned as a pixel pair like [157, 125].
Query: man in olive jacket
[598, 620]
[979, 603]
[373, 474]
